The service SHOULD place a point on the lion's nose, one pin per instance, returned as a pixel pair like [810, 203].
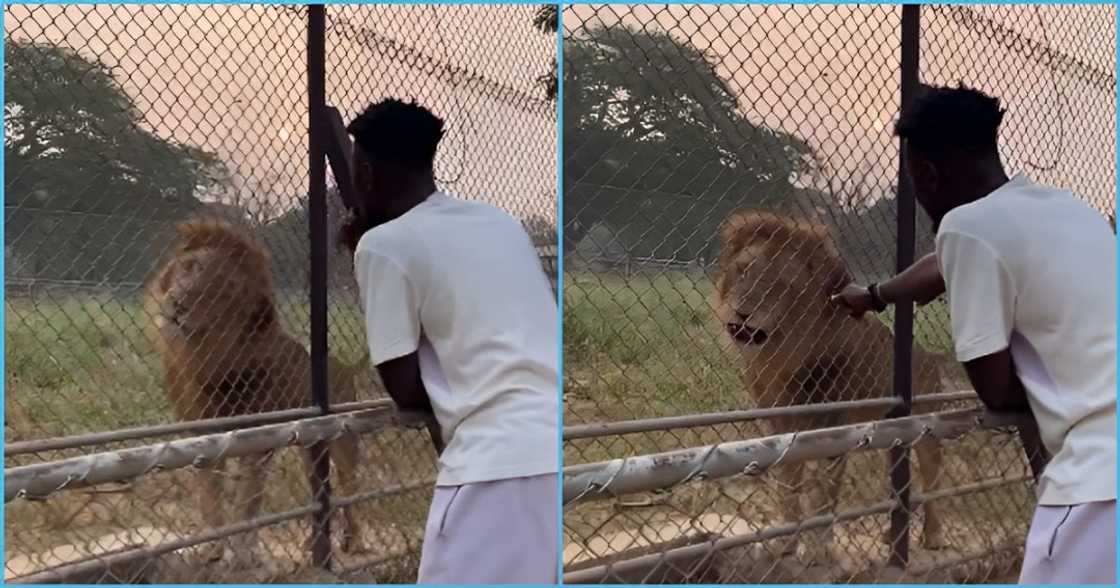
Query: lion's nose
[174, 305]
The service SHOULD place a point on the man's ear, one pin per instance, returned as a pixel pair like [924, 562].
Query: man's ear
[922, 171]
[363, 175]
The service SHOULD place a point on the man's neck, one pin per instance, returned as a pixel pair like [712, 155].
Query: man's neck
[979, 182]
[413, 196]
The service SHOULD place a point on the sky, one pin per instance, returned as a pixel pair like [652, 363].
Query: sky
[830, 75]
[232, 79]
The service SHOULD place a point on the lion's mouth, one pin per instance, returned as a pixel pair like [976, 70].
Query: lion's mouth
[171, 320]
[746, 334]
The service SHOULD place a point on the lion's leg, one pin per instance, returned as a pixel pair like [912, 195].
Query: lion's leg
[824, 495]
[254, 469]
[209, 480]
[345, 455]
[930, 459]
[825, 485]
[789, 476]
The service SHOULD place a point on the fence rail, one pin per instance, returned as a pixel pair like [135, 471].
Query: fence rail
[102, 165]
[664, 471]
[753, 143]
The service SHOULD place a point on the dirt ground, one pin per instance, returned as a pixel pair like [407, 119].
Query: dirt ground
[161, 507]
[985, 530]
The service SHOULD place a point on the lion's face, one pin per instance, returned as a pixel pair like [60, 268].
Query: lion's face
[774, 276]
[215, 282]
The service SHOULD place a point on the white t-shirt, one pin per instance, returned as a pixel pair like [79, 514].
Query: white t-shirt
[1033, 268]
[460, 283]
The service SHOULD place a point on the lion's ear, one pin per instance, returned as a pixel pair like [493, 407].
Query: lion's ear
[733, 224]
[192, 232]
[837, 279]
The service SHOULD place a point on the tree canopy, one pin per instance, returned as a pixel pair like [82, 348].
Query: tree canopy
[87, 186]
[658, 147]
[547, 20]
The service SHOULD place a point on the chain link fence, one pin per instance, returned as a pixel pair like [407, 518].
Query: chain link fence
[721, 154]
[121, 122]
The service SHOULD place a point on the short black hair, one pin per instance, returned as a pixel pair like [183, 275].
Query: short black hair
[404, 133]
[944, 121]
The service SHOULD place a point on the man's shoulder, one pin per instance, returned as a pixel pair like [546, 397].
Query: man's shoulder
[381, 237]
[394, 241]
[974, 220]
[479, 207]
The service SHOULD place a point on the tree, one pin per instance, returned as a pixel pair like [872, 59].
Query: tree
[547, 21]
[86, 186]
[656, 144]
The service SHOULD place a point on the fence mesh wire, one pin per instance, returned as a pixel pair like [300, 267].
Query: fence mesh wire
[122, 121]
[677, 118]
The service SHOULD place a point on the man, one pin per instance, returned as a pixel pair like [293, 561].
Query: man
[461, 322]
[1030, 273]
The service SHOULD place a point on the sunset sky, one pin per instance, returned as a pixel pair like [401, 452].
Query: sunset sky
[232, 79]
[830, 75]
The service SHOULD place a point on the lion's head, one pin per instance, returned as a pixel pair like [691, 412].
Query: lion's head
[216, 280]
[775, 275]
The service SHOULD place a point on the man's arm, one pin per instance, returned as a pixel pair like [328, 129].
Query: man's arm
[921, 282]
[996, 383]
[401, 377]
[391, 308]
[982, 296]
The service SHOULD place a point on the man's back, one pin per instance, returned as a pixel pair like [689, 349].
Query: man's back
[1058, 259]
[489, 350]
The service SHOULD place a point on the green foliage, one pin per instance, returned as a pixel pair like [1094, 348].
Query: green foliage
[547, 20]
[87, 188]
[657, 146]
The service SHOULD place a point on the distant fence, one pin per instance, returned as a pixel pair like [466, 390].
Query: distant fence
[743, 432]
[123, 120]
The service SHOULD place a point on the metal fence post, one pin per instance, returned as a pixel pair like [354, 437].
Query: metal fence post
[904, 309]
[317, 220]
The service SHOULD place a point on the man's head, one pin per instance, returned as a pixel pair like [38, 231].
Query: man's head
[394, 147]
[949, 141]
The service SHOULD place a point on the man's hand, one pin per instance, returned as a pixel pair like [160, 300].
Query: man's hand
[854, 299]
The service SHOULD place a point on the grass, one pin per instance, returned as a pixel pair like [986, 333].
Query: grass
[82, 363]
[646, 346]
[79, 364]
[649, 346]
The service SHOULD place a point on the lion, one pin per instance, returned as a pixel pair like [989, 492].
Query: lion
[773, 282]
[225, 354]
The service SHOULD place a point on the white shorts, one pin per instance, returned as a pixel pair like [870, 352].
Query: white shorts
[1071, 545]
[500, 532]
